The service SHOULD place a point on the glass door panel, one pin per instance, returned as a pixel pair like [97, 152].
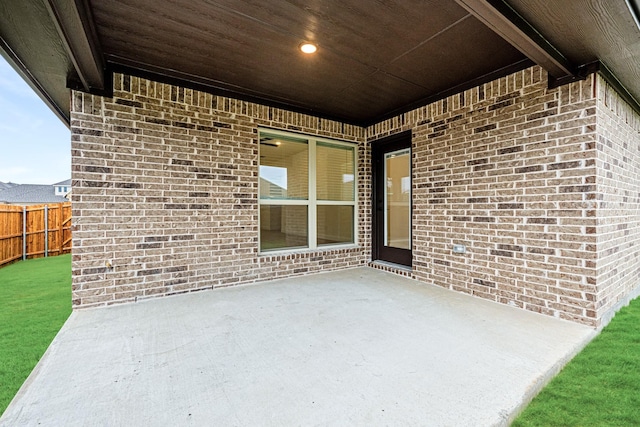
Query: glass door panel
[397, 199]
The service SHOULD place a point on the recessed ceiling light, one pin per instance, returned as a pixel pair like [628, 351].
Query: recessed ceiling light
[308, 48]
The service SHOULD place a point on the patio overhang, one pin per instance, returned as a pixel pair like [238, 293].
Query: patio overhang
[375, 60]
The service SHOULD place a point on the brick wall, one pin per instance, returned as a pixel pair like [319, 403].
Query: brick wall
[618, 216]
[539, 184]
[165, 189]
[508, 170]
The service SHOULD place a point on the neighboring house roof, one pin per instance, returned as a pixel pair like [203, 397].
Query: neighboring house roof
[30, 193]
[271, 190]
[66, 182]
[5, 185]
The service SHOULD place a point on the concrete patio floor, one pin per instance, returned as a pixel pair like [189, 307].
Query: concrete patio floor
[354, 347]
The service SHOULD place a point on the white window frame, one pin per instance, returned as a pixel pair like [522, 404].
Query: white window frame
[312, 202]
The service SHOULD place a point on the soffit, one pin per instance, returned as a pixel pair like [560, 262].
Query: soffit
[29, 41]
[590, 30]
[373, 58]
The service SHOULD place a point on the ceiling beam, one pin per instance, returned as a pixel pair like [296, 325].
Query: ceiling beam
[74, 23]
[511, 26]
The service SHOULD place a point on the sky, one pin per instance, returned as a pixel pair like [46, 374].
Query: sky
[35, 145]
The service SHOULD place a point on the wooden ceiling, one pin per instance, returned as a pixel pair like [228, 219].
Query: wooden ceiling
[375, 59]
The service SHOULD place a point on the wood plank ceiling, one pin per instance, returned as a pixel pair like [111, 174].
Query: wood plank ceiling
[374, 60]
[373, 57]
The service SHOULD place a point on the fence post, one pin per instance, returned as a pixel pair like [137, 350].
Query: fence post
[24, 233]
[46, 231]
[59, 228]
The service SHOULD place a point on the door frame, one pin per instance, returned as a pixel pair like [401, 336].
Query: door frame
[379, 147]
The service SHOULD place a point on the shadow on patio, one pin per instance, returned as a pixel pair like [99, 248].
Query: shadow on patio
[354, 347]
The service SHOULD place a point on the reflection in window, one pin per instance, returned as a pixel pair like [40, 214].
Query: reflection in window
[405, 185]
[284, 168]
[273, 182]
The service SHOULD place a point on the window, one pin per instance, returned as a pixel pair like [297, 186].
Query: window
[61, 190]
[307, 192]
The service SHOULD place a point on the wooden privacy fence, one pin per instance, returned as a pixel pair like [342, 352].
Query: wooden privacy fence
[34, 231]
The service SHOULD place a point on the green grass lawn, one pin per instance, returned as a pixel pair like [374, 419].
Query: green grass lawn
[600, 386]
[35, 301]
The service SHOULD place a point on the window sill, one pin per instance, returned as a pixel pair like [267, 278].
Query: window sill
[305, 251]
